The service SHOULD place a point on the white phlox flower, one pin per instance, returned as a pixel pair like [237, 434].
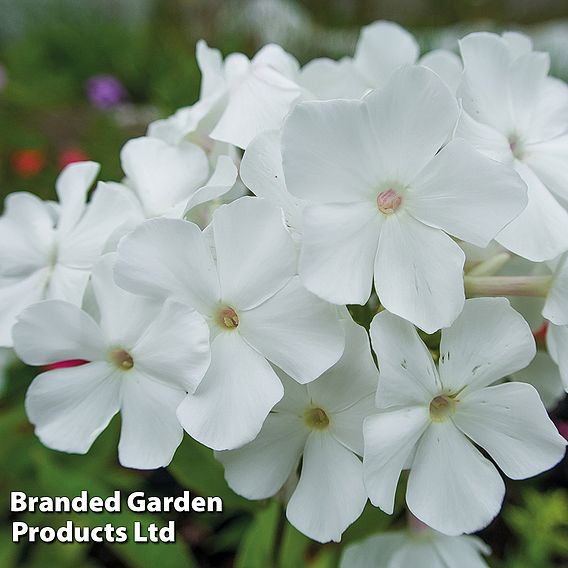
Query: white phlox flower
[321, 423]
[432, 418]
[386, 191]
[141, 358]
[515, 113]
[258, 311]
[406, 549]
[48, 249]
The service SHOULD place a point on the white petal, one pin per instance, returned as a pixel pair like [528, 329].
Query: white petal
[261, 171]
[327, 79]
[452, 487]
[67, 283]
[418, 273]
[486, 61]
[408, 374]
[52, 331]
[330, 494]
[259, 102]
[484, 138]
[549, 160]
[550, 118]
[72, 186]
[256, 256]
[487, 342]
[71, 407]
[390, 439]
[517, 43]
[382, 48]
[26, 231]
[169, 258]
[211, 66]
[328, 152]
[231, 403]
[557, 343]
[339, 246]
[150, 432]
[15, 295]
[539, 232]
[259, 469]
[511, 424]
[220, 183]
[446, 64]
[465, 550]
[111, 206]
[467, 194]
[556, 305]
[374, 552]
[161, 174]
[412, 117]
[174, 349]
[296, 331]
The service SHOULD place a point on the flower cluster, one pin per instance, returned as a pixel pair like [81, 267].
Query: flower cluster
[384, 180]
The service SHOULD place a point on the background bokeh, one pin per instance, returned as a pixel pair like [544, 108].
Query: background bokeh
[80, 77]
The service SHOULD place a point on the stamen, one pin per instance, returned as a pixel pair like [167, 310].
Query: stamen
[227, 317]
[316, 418]
[121, 359]
[388, 201]
[442, 407]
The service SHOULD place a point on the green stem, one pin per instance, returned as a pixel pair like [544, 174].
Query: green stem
[491, 265]
[278, 538]
[537, 286]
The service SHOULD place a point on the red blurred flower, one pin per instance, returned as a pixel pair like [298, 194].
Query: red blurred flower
[70, 156]
[64, 364]
[540, 334]
[28, 162]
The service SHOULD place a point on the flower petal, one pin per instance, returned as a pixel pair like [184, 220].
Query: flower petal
[169, 258]
[418, 273]
[72, 186]
[452, 487]
[408, 374]
[382, 48]
[539, 232]
[487, 342]
[54, 330]
[556, 306]
[259, 469]
[150, 432]
[174, 349]
[339, 246]
[390, 439]
[557, 343]
[296, 331]
[446, 64]
[549, 160]
[466, 194]
[412, 118]
[330, 494]
[256, 256]
[71, 407]
[510, 422]
[161, 174]
[234, 398]
[328, 152]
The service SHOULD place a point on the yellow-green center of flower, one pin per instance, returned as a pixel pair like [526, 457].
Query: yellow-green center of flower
[228, 318]
[388, 201]
[442, 407]
[122, 359]
[316, 418]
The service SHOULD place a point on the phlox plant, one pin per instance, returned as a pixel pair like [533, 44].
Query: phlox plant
[211, 291]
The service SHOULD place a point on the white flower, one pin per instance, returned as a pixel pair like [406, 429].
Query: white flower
[48, 250]
[382, 48]
[321, 423]
[518, 115]
[255, 305]
[385, 193]
[405, 549]
[141, 359]
[241, 98]
[431, 417]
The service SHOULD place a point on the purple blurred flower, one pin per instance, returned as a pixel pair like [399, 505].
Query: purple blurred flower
[105, 91]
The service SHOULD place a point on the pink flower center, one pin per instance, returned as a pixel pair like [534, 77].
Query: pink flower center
[388, 201]
[228, 317]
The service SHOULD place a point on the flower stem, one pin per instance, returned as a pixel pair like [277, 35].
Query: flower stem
[537, 286]
[491, 265]
[278, 537]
